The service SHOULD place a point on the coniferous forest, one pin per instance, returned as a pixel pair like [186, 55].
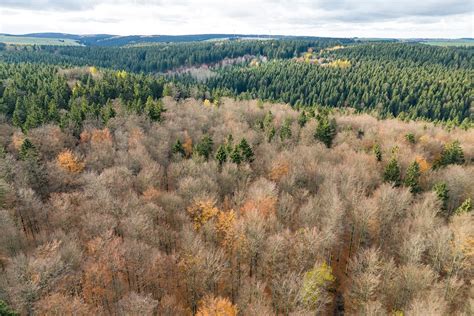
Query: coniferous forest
[238, 177]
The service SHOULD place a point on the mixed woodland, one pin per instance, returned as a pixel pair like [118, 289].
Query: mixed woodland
[320, 177]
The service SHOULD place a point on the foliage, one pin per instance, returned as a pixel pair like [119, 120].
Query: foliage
[442, 192]
[452, 154]
[70, 162]
[465, 207]
[315, 283]
[412, 177]
[5, 310]
[326, 130]
[216, 306]
[377, 152]
[391, 172]
[204, 147]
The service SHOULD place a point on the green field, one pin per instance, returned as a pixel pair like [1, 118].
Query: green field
[19, 40]
[468, 43]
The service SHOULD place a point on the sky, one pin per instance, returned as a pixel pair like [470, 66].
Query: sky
[338, 18]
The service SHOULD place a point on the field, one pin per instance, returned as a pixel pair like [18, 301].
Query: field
[466, 43]
[20, 40]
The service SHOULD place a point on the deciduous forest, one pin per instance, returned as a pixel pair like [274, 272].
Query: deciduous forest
[276, 177]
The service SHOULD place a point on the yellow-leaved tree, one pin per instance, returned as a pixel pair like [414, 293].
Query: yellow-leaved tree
[202, 211]
[70, 162]
[216, 306]
[316, 284]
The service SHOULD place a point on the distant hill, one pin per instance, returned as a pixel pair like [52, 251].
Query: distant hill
[115, 40]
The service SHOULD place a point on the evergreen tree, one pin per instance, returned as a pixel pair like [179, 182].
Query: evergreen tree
[326, 130]
[5, 310]
[204, 147]
[246, 151]
[178, 148]
[221, 155]
[465, 207]
[285, 131]
[410, 137]
[377, 152]
[235, 156]
[20, 113]
[154, 109]
[412, 177]
[392, 172]
[442, 192]
[27, 150]
[452, 154]
[302, 119]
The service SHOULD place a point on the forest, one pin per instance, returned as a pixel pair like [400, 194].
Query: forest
[315, 177]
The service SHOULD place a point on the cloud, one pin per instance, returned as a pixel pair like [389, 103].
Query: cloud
[299, 17]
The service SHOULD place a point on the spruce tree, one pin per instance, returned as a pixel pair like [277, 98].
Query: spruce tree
[204, 147]
[27, 150]
[326, 130]
[235, 156]
[442, 192]
[392, 172]
[285, 131]
[302, 119]
[465, 207]
[246, 151]
[221, 155]
[452, 154]
[178, 148]
[377, 152]
[412, 177]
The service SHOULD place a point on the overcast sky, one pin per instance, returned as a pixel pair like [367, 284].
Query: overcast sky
[344, 18]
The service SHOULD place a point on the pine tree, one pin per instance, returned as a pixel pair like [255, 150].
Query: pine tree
[204, 147]
[326, 130]
[392, 172]
[452, 154]
[5, 310]
[412, 177]
[235, 156]
[221, 155]
[465, 207]
[442, 192]
[285, 131]
[154, 109]
[377, 152]
[178, 148]
[19, 114]
[246, 151]
[27, 150]
[302, 119]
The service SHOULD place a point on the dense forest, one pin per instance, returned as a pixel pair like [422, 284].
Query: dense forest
[313, 177]
[164, 57]
[238, 208]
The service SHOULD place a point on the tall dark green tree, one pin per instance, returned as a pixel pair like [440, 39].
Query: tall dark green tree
[442, 192]
[246, 151]
[236, 156]
[221, 155]
[179, 149]
[451, 154]
[204, 147]
[326, 130]
[412, 178]
[285, 130]
[377, 152]
[391, 173]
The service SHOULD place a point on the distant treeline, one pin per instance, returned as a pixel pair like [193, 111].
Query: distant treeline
[164, 57]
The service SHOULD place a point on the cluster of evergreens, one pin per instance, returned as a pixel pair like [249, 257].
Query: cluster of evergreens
[391, 88]
[164, 57]
[32, 95]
